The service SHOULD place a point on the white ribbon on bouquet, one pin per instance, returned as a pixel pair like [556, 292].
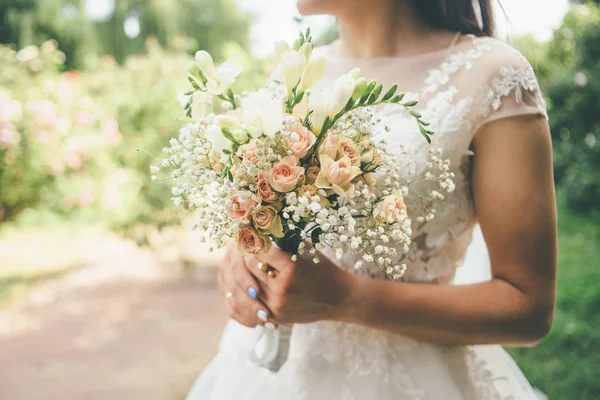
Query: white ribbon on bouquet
[271, 346]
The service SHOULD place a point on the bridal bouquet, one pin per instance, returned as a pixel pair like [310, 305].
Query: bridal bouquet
[297, 164]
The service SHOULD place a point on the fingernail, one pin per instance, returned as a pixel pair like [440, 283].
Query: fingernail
[262, 315]
[252, 292]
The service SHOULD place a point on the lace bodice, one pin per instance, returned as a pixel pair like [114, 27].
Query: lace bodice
[459, 90]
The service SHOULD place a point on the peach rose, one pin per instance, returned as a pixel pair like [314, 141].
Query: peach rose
[242, 206]
[250, 241]
[347, 148]
[390, 210]
[311, 174]
[337, 175]
[249, 157]
[266, 220]
[285, 175]
[305, 141]
[266, 193]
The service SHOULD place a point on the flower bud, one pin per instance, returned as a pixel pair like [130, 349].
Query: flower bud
[343, 88]
[355, 73]
[360, 87]
[306, 51]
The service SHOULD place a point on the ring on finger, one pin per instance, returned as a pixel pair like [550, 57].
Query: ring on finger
[271, 273]
[229, 295]
[262, 267]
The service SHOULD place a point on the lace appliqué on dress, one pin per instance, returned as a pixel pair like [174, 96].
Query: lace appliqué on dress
[457, 60]
[511, 79]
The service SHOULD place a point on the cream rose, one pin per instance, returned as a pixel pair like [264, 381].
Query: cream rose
[312, 173]
[390, 210]
[250, 241]
[285, 175]
[266, 220]
[337, 175]
[303, 144]
[329, 146]
[242, 206]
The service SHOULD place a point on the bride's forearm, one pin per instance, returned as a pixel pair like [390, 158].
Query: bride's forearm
[484, 313]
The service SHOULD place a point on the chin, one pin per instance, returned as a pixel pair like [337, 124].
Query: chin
[316, 7]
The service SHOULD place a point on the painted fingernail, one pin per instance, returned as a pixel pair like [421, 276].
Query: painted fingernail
[252, 292]
[262, 315]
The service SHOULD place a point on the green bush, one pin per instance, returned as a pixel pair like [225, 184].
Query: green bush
[569, 74]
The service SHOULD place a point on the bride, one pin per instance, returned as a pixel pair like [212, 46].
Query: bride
[360, 336]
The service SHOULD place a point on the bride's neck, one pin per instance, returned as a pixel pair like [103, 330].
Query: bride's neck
[384, 29]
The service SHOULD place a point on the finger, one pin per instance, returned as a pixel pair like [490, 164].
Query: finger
[245, 279]
[253, 267]
[247, 311]
[275, 258]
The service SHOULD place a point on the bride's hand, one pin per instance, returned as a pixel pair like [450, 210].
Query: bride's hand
[240, 290]
[301, 291]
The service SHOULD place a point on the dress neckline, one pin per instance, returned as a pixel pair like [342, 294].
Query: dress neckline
[456, 42]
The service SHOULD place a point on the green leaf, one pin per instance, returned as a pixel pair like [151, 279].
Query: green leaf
[424, 123]
[377, 90]
[371, 86]
[314, 235]
[398, 98]
[411, 103]
[415, 114]
[308, 32]
[299, 98]
[388, 95]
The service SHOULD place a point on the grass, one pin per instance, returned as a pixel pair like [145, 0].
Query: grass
[566, 364]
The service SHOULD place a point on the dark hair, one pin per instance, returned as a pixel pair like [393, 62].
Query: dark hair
[457, 15]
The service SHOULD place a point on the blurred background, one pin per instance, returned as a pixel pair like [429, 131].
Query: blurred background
[104, 292]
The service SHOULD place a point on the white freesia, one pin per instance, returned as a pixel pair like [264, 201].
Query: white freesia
[319, 102]
[281, 47]
[216, 138]
[314, 70]
[205, 62]
[233, 124]
[200, 103]
[262, 113]
[291, 67]
[343, 87]
[218, 79]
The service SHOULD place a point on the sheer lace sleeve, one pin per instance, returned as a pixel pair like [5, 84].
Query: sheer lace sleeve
[509, 87]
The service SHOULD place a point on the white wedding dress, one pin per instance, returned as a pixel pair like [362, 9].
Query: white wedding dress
[475, 81]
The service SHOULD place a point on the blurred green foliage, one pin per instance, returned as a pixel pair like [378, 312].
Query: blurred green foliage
[568, 68]
[84, 35]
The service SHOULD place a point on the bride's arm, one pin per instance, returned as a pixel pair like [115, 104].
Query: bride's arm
[515, 205]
